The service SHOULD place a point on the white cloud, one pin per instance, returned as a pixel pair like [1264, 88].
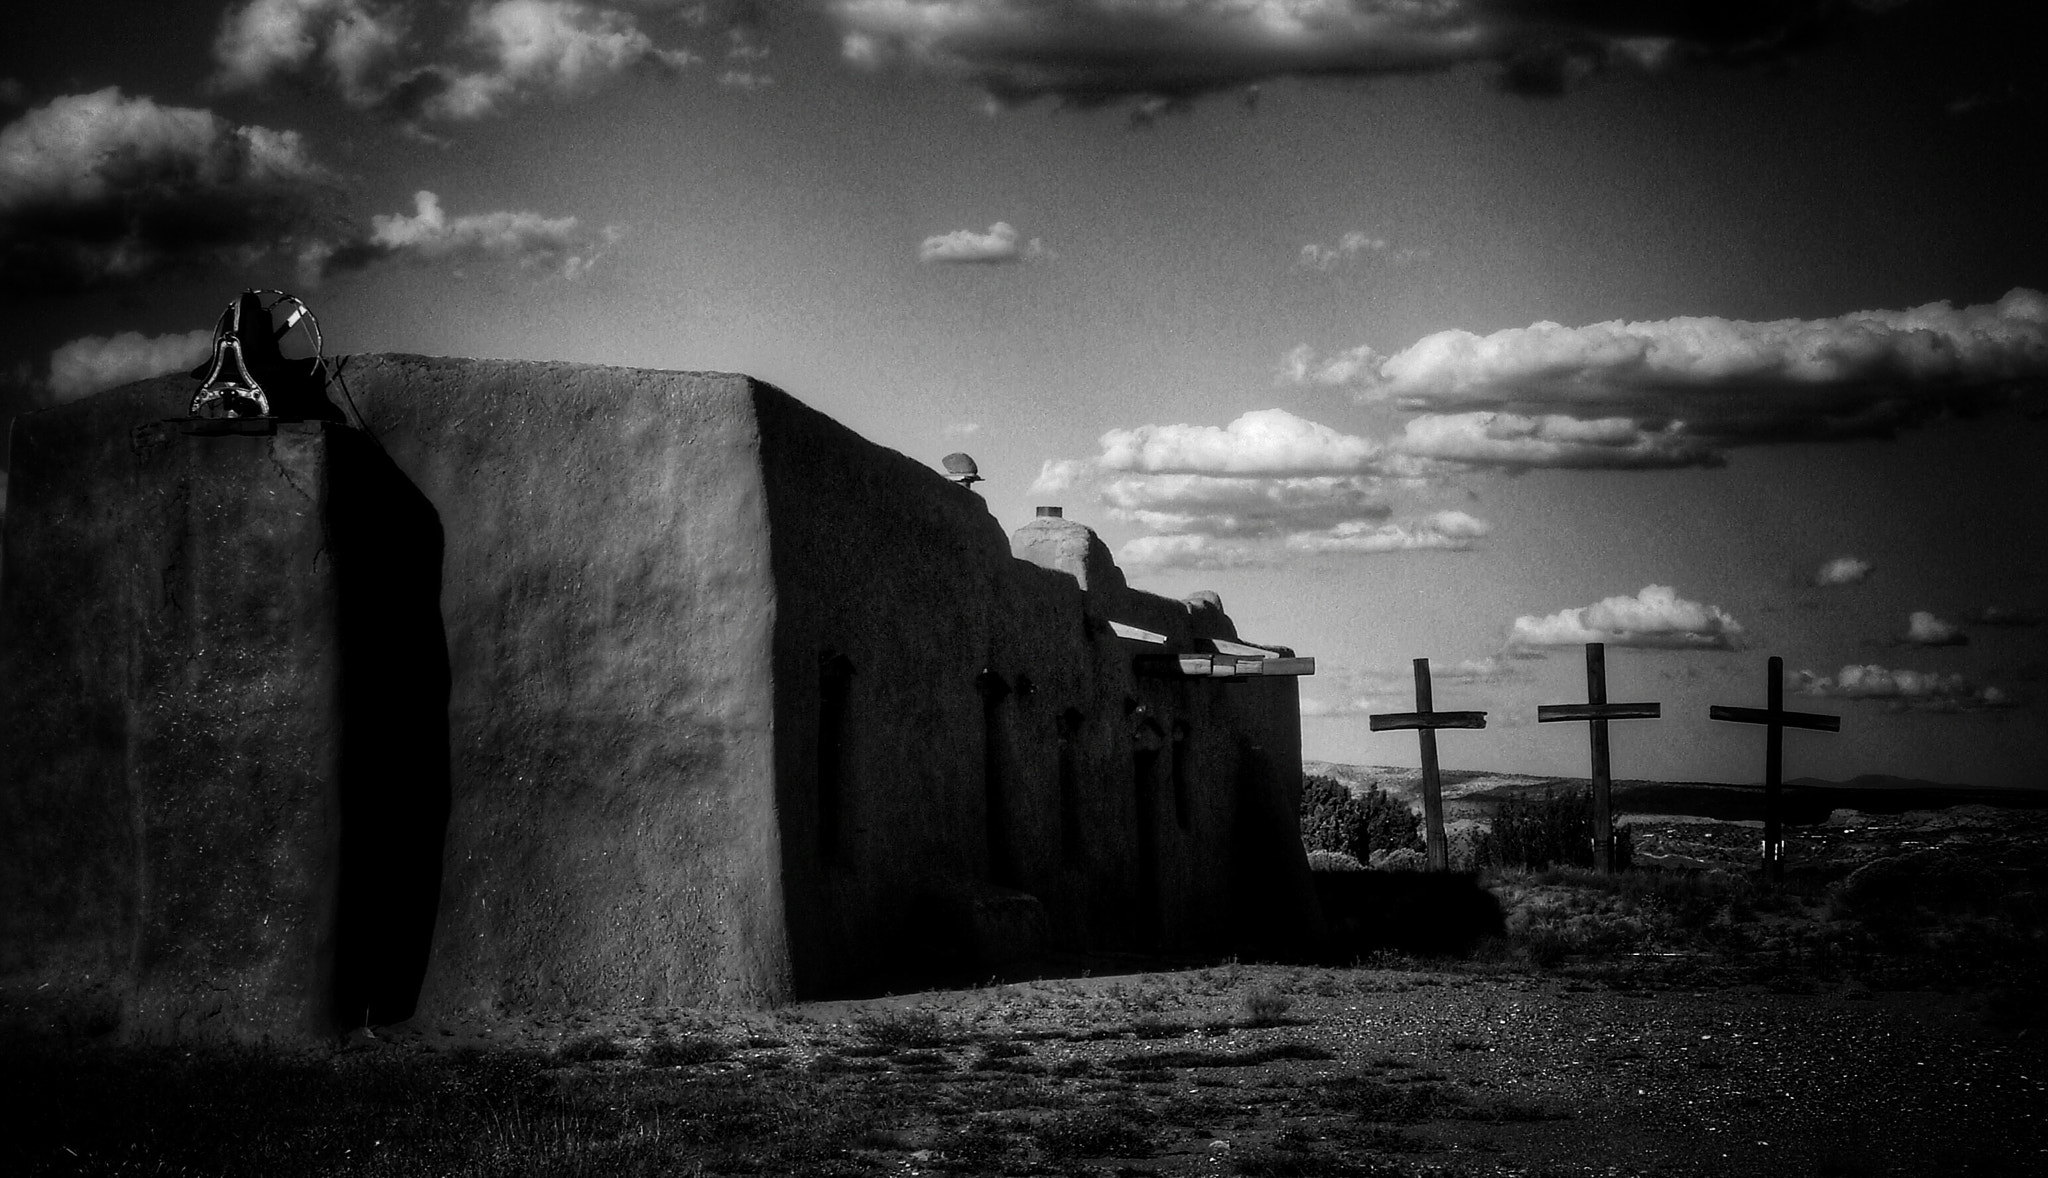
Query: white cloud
[1352, 248]
[95, 362]
[1000, 244]
[357, 43]
[1300, 365]
[1515, 442]
[525, 239]
[1261, 443]
[1655, 617]
[1843, 570]
[961, 429]
[1243, 506]
[1058, 475]
[1189, 551]
[1919, 690]
[1159, 54]
[557, 47]
[1451, 530]
[101, 187]
[1267, 485]
[405, 60]
[1924, 629]
[1721, 382]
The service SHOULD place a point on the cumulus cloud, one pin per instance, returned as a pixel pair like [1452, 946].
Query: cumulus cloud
[1843, 570]
[356, 44]
[1189, 551]
[87, 365]
[396, 58]
[1451, 530]
[1354, 247]
[1918, 690]
[101, 187]
[1244, 506]
[1924, 629]
[1261, 443]
[1058, 475]
[1720, 382]
[1164, 53]
[524, 239]
[999, 245]
[1511, 441]
[1655, 617]
[1267, 485]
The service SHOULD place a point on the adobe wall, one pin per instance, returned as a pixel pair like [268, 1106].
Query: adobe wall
[592, 671]
[174, 668]
[609, 605]
[994, 737]
[661, 687]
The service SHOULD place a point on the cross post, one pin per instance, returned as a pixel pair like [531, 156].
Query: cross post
[1596, 712]
[1426, 722]
[1775, 719]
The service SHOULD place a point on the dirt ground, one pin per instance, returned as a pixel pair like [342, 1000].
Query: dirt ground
[1385, 1071]
[1882, 1015]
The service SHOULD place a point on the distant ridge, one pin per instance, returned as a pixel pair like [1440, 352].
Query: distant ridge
[1807, 800]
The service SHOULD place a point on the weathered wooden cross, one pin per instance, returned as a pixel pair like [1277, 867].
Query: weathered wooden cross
[1426, 722]
[1775, 719]
[1596, 712]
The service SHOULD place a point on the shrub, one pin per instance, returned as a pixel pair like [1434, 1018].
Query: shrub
[1535, 833]
[1333, 861]
[907, 1028]
[1399, 859]
[1335, 819]
[1264, 1007]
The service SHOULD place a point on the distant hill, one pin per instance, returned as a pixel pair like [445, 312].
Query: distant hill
[1472, 794]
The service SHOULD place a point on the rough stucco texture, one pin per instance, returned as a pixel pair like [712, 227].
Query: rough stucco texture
[608, 606]
[171, 851]
[719, 703]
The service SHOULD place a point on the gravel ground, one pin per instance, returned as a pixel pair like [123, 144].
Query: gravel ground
[1514, 1074]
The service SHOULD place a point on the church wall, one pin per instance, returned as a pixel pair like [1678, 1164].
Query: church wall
[608, 605]
[669, 688]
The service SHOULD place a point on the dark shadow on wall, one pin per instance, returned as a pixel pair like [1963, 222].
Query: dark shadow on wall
[386, 540]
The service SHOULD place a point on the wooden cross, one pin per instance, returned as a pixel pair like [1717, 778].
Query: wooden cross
[1426, 722]
[1775, 719]
[1596, 712]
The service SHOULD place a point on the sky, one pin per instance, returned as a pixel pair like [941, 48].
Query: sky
[1468, 330]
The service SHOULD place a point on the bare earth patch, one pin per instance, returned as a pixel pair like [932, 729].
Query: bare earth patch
[1255, 1070]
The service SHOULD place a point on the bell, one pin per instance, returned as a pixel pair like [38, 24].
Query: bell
[249, 375]
[227, 388]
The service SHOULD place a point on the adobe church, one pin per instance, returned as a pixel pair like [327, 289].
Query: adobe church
[570, 687]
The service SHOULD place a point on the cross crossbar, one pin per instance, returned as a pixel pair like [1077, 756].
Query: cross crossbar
[1390, 721]
[1551, 713]
[1812, 720]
